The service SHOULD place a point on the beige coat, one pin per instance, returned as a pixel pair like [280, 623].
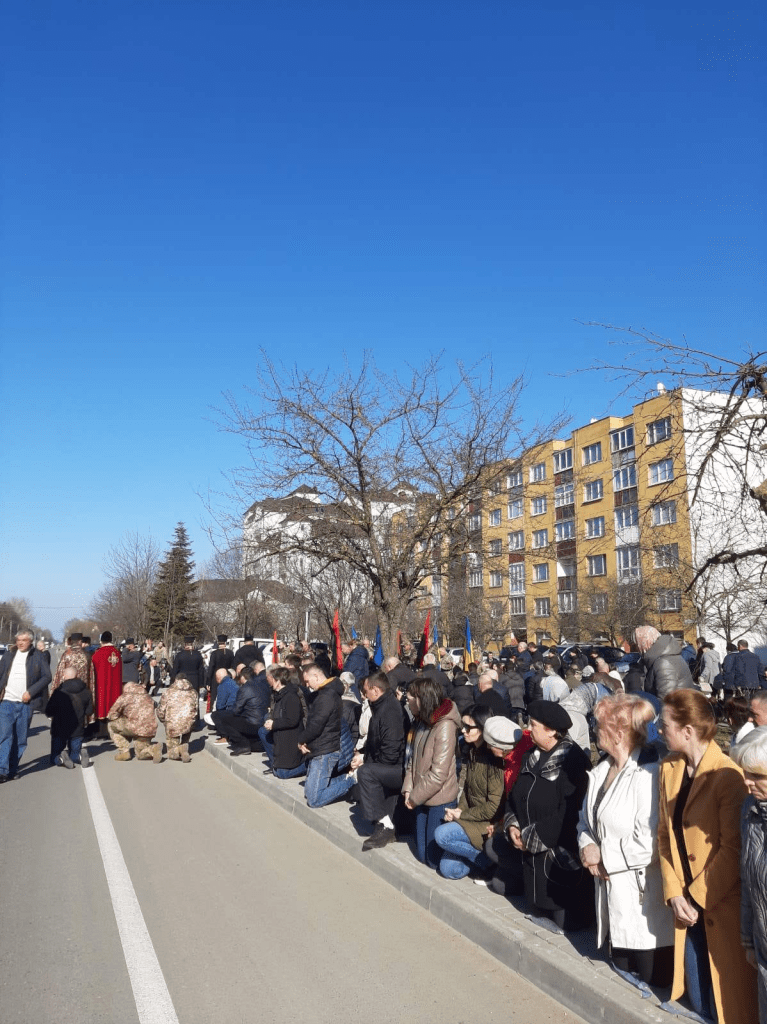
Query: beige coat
[712, 837]
[430, 776]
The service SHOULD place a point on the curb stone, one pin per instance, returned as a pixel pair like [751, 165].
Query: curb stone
[586, 986]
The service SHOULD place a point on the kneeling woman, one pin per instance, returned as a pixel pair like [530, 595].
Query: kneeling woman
[465, 828]
[543, 810]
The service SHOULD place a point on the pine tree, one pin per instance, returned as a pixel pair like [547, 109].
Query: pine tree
[173, 610]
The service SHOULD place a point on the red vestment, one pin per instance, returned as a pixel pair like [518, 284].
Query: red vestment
[107, 667]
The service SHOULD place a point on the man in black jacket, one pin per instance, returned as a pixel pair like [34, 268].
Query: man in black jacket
[279, 733]
[222, 657]
[189, 663]
[250, 707]
[399, 675]
[248, 653]
[320, 738]
[380, 768]
[24, 678]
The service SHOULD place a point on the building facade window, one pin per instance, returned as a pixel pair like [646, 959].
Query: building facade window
[669, 600]
[517, 605]
[494, 517]
[517, 540]
[598, 604]
[566, 602]
[596, 565]
[593, 491]
[620, 440]
[475, 522]
[538, 506]
[496, 579]
[514, 479]
[516, 508]
[475, 578]
[626, 517]
[666, 556]
[564, 494]
[595, 527]
[628, 564]
[659, 430]
[663, 513]
[624, 478]
[540, 538]
[661, 472]
[541, 572]
[538, 473]
[517, 578]
[592, 453]
[564, 530]
[495, 548]
[542, 607]
[563, 460]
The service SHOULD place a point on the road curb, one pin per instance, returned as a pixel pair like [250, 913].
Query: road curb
[586, 986]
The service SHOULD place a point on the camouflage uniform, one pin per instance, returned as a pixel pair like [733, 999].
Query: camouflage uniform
[178, 711]
[131, 717]
[76, 658]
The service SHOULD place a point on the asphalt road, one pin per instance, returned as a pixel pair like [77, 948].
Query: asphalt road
[252, 916]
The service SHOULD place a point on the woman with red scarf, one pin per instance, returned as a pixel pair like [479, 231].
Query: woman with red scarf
[431, 779]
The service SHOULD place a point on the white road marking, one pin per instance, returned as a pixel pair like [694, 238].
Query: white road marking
[153, 1002]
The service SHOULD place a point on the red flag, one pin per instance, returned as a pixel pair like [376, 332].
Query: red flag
[337, 637]
[423, 646]
[399, 645]
[275, 652]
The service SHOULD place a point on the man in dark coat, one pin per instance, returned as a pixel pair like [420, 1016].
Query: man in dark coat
[745, 670]
[666, 668]
[24, 679]
[248, 653]
[320, 738]
[279, 733]
[400, 676]
[356, 661]
[250, 709]
[189, 663]
[432, 670]
[488, 696]
[380, 768]
[222, 657]
[131, 657]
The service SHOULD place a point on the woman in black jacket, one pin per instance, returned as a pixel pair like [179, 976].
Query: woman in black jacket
[279, 733]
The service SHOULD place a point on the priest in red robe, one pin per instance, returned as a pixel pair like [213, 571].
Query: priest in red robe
[108, 670]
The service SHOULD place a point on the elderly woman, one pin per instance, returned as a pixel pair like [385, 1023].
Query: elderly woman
[542, 819]
[463, 834]
[751, 755]
[617, 840]
[701, 793]
[431, 781]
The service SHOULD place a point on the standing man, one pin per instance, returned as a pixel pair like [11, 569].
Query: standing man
[24, 678]
[222, 657]
[248, 653]
[189, 663]
[356, 661]
[75, 657]
[131, 662]
[108, 672]
[745, 670]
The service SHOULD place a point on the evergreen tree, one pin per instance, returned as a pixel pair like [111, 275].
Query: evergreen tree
[173, 610]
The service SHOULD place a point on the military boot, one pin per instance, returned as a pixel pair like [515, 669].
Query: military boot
[184, 753]
[122, 755]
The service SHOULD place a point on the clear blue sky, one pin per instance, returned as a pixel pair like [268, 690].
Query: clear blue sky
[183, 182]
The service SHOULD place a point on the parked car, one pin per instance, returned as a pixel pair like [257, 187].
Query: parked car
[612, 655]
[456, 653]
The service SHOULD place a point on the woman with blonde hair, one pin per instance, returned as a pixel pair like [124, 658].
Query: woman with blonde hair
[617, 842]
[701, 793]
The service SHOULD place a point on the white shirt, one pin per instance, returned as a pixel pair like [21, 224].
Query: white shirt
[16, 686]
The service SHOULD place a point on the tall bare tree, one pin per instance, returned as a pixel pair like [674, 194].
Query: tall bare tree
[130, 568]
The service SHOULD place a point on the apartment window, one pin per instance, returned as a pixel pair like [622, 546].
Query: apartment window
[661, 472]
[596, 565]
[515, 508]
[495, 548]
[514, 479]
[669, 600]
[517, 578]
[593, 491]
[540, 538]
[592, 453]
[564, 530]
[666, 556]
[538, 472]
[628, 562]
[624, 478]
[542, 607]
[475, 522]
[495, 488]
[663, 513]
[517, 605]
[622, 439]
[595, 527]
[563, 460]
[598, 604]
[564, 495]
[516, 540]
[541, 572]
[451, 513]
[496, 579]
[494, 517]
[475, 578]
[626, 517]
[566, 602]
[538, 506]
[659, 430]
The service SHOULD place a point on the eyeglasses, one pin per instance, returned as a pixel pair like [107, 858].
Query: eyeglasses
[468, 728]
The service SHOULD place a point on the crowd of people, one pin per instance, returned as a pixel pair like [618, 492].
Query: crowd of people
[597, 799]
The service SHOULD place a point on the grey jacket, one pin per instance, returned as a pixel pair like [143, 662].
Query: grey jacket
[666, 668]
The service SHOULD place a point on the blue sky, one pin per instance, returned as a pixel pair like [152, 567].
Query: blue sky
[184, 182]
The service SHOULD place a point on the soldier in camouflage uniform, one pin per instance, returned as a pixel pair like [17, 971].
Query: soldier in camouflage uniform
[177, 710]
[131, 717]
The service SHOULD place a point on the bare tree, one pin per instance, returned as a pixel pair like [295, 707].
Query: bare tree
[130, 567]
[393, 460]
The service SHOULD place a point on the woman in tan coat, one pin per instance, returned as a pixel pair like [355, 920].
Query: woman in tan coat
[431, 779]
[701, 792]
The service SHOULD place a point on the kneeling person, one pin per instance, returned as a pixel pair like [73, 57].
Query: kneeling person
[320, 738]
[177, 710]
[131, 718]
[279, 733]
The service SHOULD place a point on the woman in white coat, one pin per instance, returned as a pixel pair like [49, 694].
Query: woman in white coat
[617, 838]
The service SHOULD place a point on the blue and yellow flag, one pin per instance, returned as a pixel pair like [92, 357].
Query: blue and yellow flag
[378, 652]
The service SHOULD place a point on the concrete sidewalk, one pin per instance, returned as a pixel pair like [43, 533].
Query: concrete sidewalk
[579, 978]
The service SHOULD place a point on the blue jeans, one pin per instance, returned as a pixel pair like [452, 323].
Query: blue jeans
[267, 744]
[74, 744]
[264, 735]
[460, 856]
[427, 820]
[290, 773]
[14, 726]
[697, 970]
[321, 788]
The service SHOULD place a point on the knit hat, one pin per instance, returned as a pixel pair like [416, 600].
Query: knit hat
[501, 732]
[550, 714]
